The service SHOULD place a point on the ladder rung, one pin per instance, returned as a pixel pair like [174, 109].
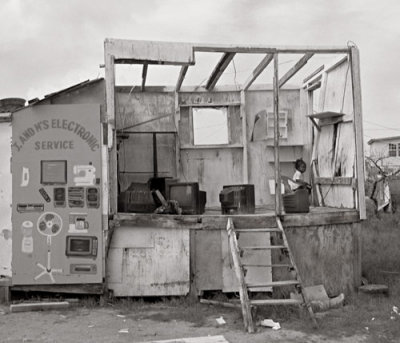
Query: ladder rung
[276, 302]
[267, 265]
[274, 284]
[270, 229]
[264, 247]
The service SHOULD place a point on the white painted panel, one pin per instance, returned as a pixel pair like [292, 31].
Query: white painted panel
[155, 262]
[5, 200]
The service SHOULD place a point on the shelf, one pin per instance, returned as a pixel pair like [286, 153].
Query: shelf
[325, 118]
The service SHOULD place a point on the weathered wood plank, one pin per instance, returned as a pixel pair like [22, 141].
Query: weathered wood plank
[144, 76]
[293, 71]
[39, 306]
[348, 181]
[314, 73]
[320, 218]
[270, 49]
[136, 51]
[72, 288]
[258, 70]
[219, 69]
[181, 77]
[358, 128]
[244, 137]
[278, 195]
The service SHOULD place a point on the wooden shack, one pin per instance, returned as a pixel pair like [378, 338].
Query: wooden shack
[151, 131]
[156, 254]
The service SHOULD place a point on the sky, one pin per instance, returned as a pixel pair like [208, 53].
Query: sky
[48, 45]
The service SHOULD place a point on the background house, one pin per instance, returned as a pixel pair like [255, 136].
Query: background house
[387, 151]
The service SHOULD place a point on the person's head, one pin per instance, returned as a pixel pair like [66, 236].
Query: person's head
[300, 165]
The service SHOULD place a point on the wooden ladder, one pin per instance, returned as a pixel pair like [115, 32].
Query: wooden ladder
[244, 287]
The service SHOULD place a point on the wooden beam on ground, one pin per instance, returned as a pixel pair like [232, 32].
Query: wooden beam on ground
[278, 195]
[144, 75]
[358, 128]
[258, 70]
[293, 71]
[39, 306]
[181, 77]
[219, 69]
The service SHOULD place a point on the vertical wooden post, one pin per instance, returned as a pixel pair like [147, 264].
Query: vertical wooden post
[278, 195]
[177, 119]
[245, 173]
[358, 128]
[110, 115]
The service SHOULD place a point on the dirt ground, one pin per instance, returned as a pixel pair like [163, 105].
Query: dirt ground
[137, 321]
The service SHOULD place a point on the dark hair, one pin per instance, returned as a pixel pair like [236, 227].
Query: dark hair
[299, 162]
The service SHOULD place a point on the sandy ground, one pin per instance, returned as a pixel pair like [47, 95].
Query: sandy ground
[148, 324]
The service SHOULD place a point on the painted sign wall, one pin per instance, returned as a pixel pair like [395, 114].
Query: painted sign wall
[56, 211]
[5, 200]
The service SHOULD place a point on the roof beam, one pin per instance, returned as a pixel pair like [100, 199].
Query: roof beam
[292, 71]
[219, 69]
[258, 70]
[144, 75]
[181, 77]
[265, 49]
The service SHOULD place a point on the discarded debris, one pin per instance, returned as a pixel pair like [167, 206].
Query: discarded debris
[319, 299]
[221, 321]
[206, 339]
[124, 330]
[120, 316]
[374, 289]
[395, 309]
[270, 324]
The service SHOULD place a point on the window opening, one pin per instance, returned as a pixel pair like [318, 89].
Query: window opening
[392, 150]
[210, 126]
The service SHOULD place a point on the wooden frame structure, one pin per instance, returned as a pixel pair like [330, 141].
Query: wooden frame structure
[148, 53]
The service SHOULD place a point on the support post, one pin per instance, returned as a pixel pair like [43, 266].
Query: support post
[278, 195]
[358, 128]
[245, 173]
[111, 201]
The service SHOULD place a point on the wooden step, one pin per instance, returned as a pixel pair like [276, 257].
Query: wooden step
[274, 284]
[264, 247]
[269, 229]
[276, 302]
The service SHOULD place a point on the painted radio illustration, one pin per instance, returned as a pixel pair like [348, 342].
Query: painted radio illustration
[57, 214]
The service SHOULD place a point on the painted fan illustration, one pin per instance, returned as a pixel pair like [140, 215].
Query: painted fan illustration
[49, 224]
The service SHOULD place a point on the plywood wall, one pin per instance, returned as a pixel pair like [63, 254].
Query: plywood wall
[335, 146]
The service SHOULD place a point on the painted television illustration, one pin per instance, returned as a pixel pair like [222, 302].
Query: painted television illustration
[56, 168]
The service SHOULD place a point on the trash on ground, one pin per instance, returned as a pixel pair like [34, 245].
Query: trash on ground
[120, 316]
[123, 331]
[270, 324]
[395, 309]
[319, 299]
[220, 321]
